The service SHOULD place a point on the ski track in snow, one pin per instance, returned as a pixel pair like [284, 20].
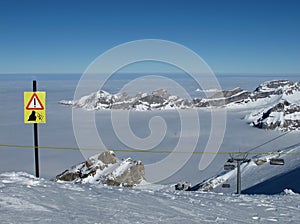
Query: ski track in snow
[26, 199]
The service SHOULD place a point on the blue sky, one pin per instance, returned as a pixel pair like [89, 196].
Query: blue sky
[231, 36]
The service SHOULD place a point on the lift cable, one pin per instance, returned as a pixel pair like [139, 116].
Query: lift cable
[271, 140]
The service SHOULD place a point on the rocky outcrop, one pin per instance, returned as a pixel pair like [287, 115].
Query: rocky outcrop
[159, 100]
[129, 178]
[282, 116]
[223, 98]
[107, 169]
[283, 111]
[269, 92]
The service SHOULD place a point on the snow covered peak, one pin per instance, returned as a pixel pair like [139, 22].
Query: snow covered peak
[99, 99]
[287, 90]
[157, 100]
[275, 85]
[283, 110]
[282, 116]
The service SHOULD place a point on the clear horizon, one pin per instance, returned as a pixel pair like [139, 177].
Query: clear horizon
[232, 37]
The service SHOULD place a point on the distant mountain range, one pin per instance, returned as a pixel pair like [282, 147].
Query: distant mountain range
[157, 100]
[274, 104]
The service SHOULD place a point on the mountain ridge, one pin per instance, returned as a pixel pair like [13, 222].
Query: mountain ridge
[274, 104]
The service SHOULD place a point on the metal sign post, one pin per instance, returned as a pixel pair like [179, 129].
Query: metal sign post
[36, 139]
[34, 113]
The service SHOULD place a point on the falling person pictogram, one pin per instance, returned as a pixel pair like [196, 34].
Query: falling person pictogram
[32, 116]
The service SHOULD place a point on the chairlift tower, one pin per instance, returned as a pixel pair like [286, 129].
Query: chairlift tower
[238, 161]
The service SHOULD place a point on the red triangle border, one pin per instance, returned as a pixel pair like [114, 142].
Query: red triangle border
[29, 102]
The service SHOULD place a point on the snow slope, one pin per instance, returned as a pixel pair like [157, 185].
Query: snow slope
[26, 199]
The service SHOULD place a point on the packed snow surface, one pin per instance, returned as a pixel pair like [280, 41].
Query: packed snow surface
[26, 199]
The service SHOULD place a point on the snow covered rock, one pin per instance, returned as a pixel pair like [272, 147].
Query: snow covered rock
[101, 100]
[223, 98]
[289, 192]
[283, 116]
[283, 113]
[158, 100]
[105, 168]
[270, 92]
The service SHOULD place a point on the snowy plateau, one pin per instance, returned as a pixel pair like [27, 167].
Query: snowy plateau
[275, 104]
[26, 199]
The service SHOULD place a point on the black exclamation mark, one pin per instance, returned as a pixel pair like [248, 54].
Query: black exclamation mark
[34, 102]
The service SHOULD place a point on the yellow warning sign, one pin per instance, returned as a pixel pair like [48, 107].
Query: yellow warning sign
[34, 107]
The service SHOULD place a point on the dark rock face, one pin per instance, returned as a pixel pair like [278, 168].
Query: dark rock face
[67, 176]
[129, 178]
[105, 169]
[227, 93]
[223, 98]
[107, 158]
[273, 85]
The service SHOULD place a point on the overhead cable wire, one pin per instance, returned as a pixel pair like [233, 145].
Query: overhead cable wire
[271, 140]
[147, 150]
